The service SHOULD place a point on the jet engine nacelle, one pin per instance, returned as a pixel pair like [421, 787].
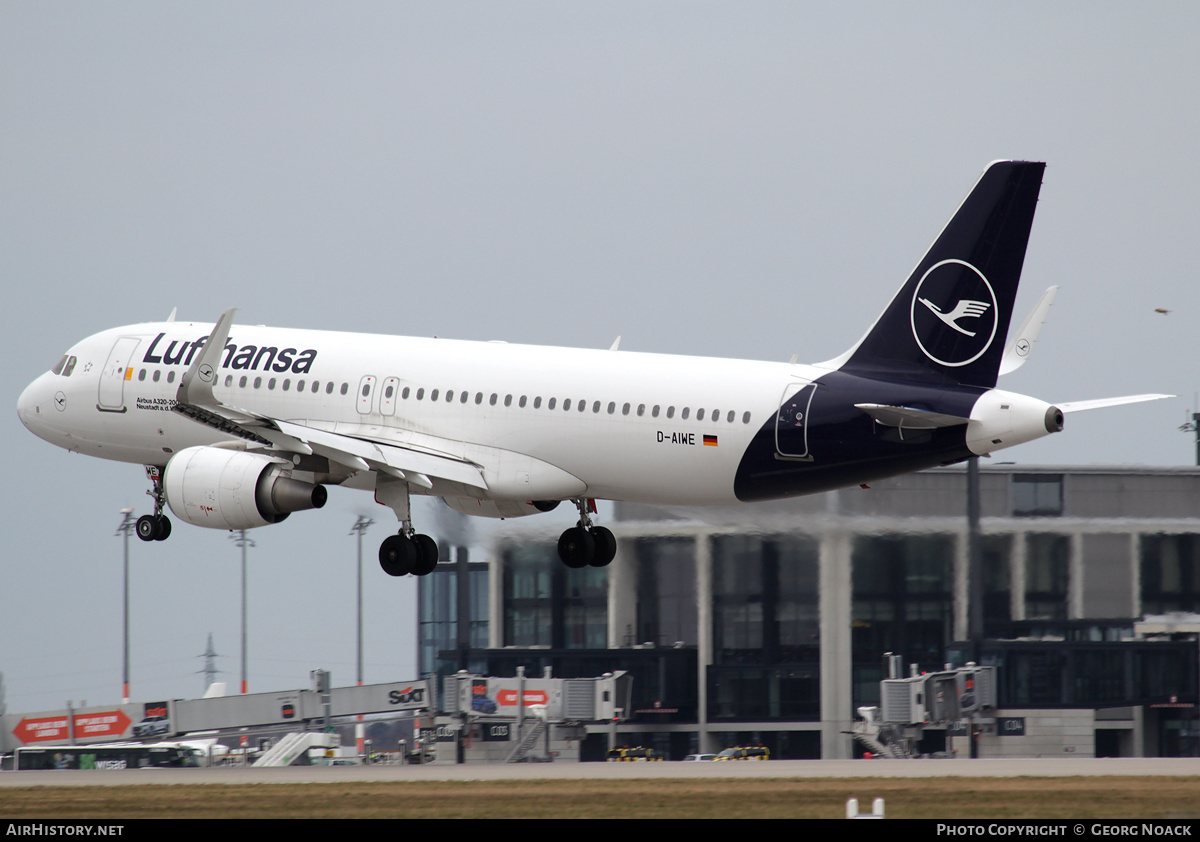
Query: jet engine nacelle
[1002, 419]
[499, 508]
[232, 489]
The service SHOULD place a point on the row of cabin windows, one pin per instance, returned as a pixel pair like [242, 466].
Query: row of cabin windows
[552, 403]
[244, 381]
[463, 397]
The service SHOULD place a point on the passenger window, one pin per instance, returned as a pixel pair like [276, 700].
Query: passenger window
[420, 394]
[329, 388]
[521, 402]
[699, 414]
[550, 403]
[449, 396]
[142, 374]
[683, 415]
[641, 410]
[492, 399]
[287, 384]
[463, 397]
[345, 388]
[478, 398]
[242, 382]
[596, 406]
[316, 386]
[270, 384]
[257, 382]
[729, 417]
[670, 412]
[170, 377]
[566, 405]
[432, 395]
[537, 403]
[508, 400]
[228, 380]
[654, 412]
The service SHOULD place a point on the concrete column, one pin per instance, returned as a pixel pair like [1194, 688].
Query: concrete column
[836, 678]
[704, 636]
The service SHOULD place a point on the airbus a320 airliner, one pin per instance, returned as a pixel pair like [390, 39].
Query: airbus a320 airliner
[240, 426]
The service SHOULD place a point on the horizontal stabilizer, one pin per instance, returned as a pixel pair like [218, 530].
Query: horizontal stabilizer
[1080, 406]
[909, 417]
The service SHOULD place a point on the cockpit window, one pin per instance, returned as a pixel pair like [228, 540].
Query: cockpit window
[65, 366]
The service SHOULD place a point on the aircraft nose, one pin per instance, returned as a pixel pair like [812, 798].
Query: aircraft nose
[33, 405]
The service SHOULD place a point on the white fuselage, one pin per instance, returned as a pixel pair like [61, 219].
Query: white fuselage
[628, 426]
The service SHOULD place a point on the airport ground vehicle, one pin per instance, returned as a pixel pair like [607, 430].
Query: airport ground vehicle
[123, 756]
[633, 754]
[744, 753]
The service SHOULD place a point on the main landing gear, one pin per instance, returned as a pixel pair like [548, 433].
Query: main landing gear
[402, 554]
[155, 527]
[584, 544]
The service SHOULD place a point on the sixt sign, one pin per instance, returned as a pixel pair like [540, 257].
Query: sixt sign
[412, 695]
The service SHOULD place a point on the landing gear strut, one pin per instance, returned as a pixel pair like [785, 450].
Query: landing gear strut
[584, 544]
[155, 527]
[408, 552]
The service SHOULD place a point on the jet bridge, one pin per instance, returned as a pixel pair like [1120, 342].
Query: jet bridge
[519, 714]
[930, 700]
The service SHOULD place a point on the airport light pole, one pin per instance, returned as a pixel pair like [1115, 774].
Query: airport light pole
[239, 539]
[126, 527]
[360, 526]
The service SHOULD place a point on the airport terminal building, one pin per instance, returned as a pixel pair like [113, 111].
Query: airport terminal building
[768, 623]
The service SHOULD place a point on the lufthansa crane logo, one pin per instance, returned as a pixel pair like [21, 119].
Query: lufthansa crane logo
[954, 313]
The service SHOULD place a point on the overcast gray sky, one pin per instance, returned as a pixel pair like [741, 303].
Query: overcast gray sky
[747, 179]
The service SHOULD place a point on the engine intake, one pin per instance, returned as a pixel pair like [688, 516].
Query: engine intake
[232, 489]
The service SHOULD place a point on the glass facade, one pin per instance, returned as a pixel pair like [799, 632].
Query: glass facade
[1060, 674]
[666, 592]
[765, 600]
[997, 582]
[764, 693]
[1047, 574]
[903, 597]
[1170, 573]
[1037, 495]
[548, 604]
[437, 615]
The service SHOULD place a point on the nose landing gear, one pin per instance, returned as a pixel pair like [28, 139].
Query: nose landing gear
[155, 527]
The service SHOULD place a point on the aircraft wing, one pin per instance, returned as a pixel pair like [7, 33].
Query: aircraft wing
[195, 399]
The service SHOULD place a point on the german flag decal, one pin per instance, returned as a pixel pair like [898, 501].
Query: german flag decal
[710, 441]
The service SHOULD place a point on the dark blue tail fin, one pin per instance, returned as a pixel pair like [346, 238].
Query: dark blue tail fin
[951, 318]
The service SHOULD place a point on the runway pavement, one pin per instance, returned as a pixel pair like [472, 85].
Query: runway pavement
[987, 768]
